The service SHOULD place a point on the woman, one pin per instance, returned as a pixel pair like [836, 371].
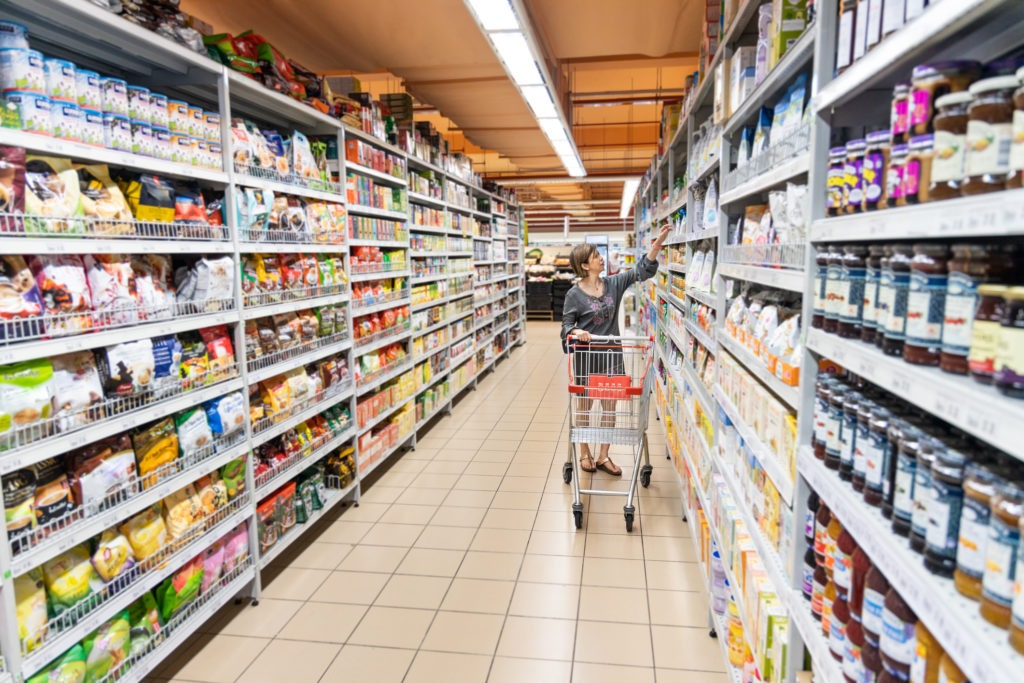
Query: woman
[592, 308]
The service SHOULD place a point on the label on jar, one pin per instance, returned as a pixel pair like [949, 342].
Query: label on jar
[820, 280]
[1000, 562]
[844, 40]
[834, 294]
[898, 638]
[911, 179]
[896, 320]
[871, 611]
[948, 162]
[837, 637]
[873, 174]
[874, 21]
[842, 571]
[860, 446]
[1017, 141]
[817, 598]
[809, 524]
[892, 19]
[854, 183]
[833, 430]
[847, 438]
[1009, 360]
[874, 456]
[853, 297]
[889, 455]
[826, 615]
[884, 300]
[919, 666]
[972, 546]
[899, 116]
[922, 492]
[853, 666]
[915, 7]
[985, 336]
[820, 540]
[988, 147]
[894, 183]
[920, 106]
[1018, 594]
[945, 503]
[807, 583]
[868, 311]
[957, 319]
[903, 498]
[820, 417]
[835, 180]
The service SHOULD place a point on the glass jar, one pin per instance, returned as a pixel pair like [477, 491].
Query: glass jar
[928, 82]
[927, 654]
[807, 582]
[1001, 557]
[930, 447]
[890, 462]
[883, 302]
[872, 273]
[894, 179]
[980, 483]
[1009, 363]
[821, 522]
[823, 391]
[876, 586]
[950, 145]
[861, 442]
[853, 664]
[861, 565]
[854, 273]
[837, 627]
[834, 531]
[985, 332]
[818, 592]
[848, 436]
[835, 290]
[820, 285]
[1017, 612]
[834, 427]
[828, 600]
[813, 501]
[898, 641]
[971, 266]
[989, 135]
[896, 279]
[917, 172]
[949, 672]
[926, 303]
[903, 489]
[899, 113]
[874, 457]
[853, 182]
[875, 170]
[842, 565]
[1014, 180]
[836, 181]
[945, 507]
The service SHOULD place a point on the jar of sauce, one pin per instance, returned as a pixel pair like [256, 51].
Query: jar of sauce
[899, 113]
[890, 461]
[818, 592]
[928, 82]
[1014, 180]
[926, 304]
[860, 566]
[861, 443]
[1009, 363]
[980, 482]
[837, 628]
[927, 655]
[883, 304]
[807, 581]
[1001, 558]
[854, 272]
[876, 586]
[898, 641]
[853, 664]
[828, 601]
[821, 522]
[1017, 617]
[874, 456]
[820, 285]
[917, 172]
[989, 135]
[896, 279]
[835, 291]
[926, 456]
[848, 435]
[834, 427]
[945, 506]
[823, 394]
[875, 170]
[950, 145]
[985, 332]
[853, 183]
[894, 179]
[836, 181]
[949, 672]
[871, 658]
[835, 529]
[813, 501]
[842, 566]
[872, 273]
[903, 489]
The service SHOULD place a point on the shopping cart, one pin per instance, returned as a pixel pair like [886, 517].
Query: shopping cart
[609, 399]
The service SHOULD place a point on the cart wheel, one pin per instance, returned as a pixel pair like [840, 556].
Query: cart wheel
[712, 633]
[567, 473]
[629, 521]
[645, 475]
[577, 515]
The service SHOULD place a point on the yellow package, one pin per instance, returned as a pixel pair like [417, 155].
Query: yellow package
[212, 493]
[112, 555]
[155, 446]
[69, 578]
[182, 509]
[30, 605]
[146, 532]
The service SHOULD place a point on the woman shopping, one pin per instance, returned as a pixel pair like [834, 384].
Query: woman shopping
[592, 308]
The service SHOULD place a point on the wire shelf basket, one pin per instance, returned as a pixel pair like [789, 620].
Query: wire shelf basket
[793, 145]
[96, 227]
[264, 361]
[297, 294]
[253, 172]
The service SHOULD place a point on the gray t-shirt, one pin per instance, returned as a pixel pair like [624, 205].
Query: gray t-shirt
[600, 315]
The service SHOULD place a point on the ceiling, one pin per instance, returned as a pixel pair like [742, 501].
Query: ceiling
[613, 63]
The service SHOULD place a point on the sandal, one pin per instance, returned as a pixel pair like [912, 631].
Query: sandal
[590, 459]
[610, 467]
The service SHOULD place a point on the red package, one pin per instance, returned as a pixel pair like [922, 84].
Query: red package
[291, 271]
[218, 346]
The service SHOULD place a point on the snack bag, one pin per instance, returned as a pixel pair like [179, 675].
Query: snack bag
[68, 668]
[233, 475]
[267, 525]
[150, 197]
[19, 496]
[180, 589]
[144, 617]
[219, 349]
[107, 647]
[53, 493]
[65, 290]
[21, 302]
[257, 207]
[103, 203]
[52, 192]
[190, 209]
[12, 188]
[112, 555]
[30, 608]
[146, 532]
[101, 469]
[181, 511]
[70, 578]
[167, 358]
[77, 390]
[195, 361]
[194, 432]
[212, 493]
[213, 565]
[25, 394]
[154, 285]
[155, 446]
[236, 547]
[127, 368]
[226, 415]
[113, 288]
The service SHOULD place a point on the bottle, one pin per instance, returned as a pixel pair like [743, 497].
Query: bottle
[926, 457]
[834, 290]
[872, 273]
[945, 506]
[980, 483]
[823, 393]
[876, 586]
[860, 566]
[874, 458]
[997, 584]
[853, 664]
[1017, 611]
[861, 442]
[828, 601]
[818, 594]
[897, 426]
[926, 304]
[837, 628]
[842, 567]
[871, 659]
[896, 278]
[834, 426]
[851, 309]
[848, 435]
[807, 582]
[812, 509]
[835, 529]
[820, 285]
[906, 470]
[927, 654]
[898, 641]
[821, 523]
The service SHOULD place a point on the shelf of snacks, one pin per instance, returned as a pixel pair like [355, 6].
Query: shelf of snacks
[400, 270]
[394, 244]
[366, 467]
[386, 413]
[275, 362]
[334, 497]
[275, 302]
[307, 450]
[384, 372]
[269, 426]
[701, 335]
[377, 302]
[787, 392]
[373, 212]
[706, 298]
[381, 176]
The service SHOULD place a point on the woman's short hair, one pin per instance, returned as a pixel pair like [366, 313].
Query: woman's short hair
[580, 254]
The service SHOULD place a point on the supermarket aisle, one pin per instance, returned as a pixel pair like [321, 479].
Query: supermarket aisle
[462, 564]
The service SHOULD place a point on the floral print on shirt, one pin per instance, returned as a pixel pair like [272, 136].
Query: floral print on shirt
[603, 308]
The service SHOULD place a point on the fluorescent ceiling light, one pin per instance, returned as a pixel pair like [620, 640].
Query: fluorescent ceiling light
[553, 129]
[495, 15]
[513, 49]
[563, 148]
[629, 189]
[539, 99]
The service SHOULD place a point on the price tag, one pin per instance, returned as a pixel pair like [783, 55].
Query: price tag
[946, 408]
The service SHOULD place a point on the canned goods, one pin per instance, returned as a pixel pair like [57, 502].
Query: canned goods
[117, 132]
[90, 94]
[158, 110]
[181, 148]
[34, 109]
[115, 96]
[138, 104]
[162, 143]
[212, 119]
[92, 127]
[66, 120]
[13, 34]
[22, 70]
[177, 116]
[60, 80]
[196, 123]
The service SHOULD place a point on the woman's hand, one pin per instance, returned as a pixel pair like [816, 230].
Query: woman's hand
[581, 335]
[659, 241]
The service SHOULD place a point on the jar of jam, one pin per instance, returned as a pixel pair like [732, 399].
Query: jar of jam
[899, 113]
[834, 427]
[950, 145]
[861, 565]
[898, 641]
[917, 172]
[818, 592]
[896, 281]
[853, 275]
[820, 285]
[807, 582]
[927, 655]
[853, 664]
[926, 304]
[989, 135]
[890, 461]
[883, 301]
[874, 456]
[949, 672]
[903, 489]
[821, 522]
[1009, 364]
[853, 181]
[835, 530]
[926, 456]
[928, 82]
[894, 179]
[875, 170]
[1014, 180]
[834, 290]
[823, 392]
[980, 482]
[842, 565]
[945, 507]
[872, 273]
[985, 332]
[861, 443]
[836, 181]
[848, 435]
[971, 265]
[1017, 616]
[837, 627]
[1001, 558]
[828, 600]
[813, 501]
[876, 586]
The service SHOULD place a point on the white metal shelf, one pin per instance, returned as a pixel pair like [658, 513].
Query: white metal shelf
[433, 413]
[379, 275]
[403, 441]
[400, 369]
[383, 417]
[288, 472]
[334, 497]
[979, 648]
[428, 279]
[431, 229]
[373, 212]
[378, 307]
[251, 98]
[706, 298]
[676, 268]
[706, 172]
[674, 300]
[700, 391]
[300, 360]
[400, 244]
[460, 359]
[277, 187]
[292, 248]
[433, 328]
[418, 358]
[414, 160]
[461, 336]
[705, 339]
[673, 206]
[975, 408]
[433, 381]
[789, 395]
[306, 413]
[778, 175]
[429, 304]
[427, 200]
[780, 278]
[826, 669]
[374, 140]
[22, 243]
[380, 176]
[293, 305]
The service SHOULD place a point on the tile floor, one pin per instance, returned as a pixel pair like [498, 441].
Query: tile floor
[462, 564]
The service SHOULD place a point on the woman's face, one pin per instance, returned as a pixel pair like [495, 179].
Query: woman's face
[595, 264]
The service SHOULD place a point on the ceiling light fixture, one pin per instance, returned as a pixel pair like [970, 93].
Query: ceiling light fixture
[504, 24]
[629, 189]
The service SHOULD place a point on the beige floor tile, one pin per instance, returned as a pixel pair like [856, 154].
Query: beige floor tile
[683, 676]
[294, 583]
[476, 482]
[294, 661]
[621, 547]
[556, 543]
[432, 497]
[551, 569]
[560, 501]
[674, 576]
[514, 500]
[468, 433]
[433, 480]
[659, 525]
[599, 571]
[585, 672]
[468, 498]
[431, 562]
[409, 466]
[500, 518]
[535, 638]
[531, 455]
[460, 516]
[381, 494]
[218, 659]
[517, 670]
[418, 592]
[464, 632]
[553, 600]
[447, 466]
[612, 524]
[518, 484]
[358, 588]
[362, 663]
[486, 469]
[553, 520]
[314, 556]
[456, 455]
[408, 514]
[678, 608]
[429, 667]
[400, 479]
[494, 456]
[346, 532]
[629, 605]
[671, 507]
[478, 595]
[402, 535]
[501, 540]
[498, 566]
[632, 643]
[445, 537]
[501, 445]
[264, 621]
[686, 648]
[323, 622]
[669, 549]
[393, 626]
[366, 512]
[373, 558]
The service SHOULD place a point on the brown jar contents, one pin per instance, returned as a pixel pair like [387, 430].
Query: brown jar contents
[820, 285]
[1009, 364]
[872, 274]
[898, 426]
[1001, 558]
[871, 658]
[837, 628]
[821, 522]
[980, 484]
[917, 172]
[834, 427]
[950, 145]
[989, 134]
[1014, 180]
[897, 642]
[861, 441]
[883, 300]
[860, 565]
[928, 82]
[875, 588]
[985, 332]
[827, 602]
[842, 567]
[874, 459]
[951, 673]
[834, 290]
[927, 655]
[926, 304]
[896, 279]
[853, 658]
[899, 113]
[894, 179]
[903, 485]
[848, 437]
[818, 592]
[823, 393]
[852, 288]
